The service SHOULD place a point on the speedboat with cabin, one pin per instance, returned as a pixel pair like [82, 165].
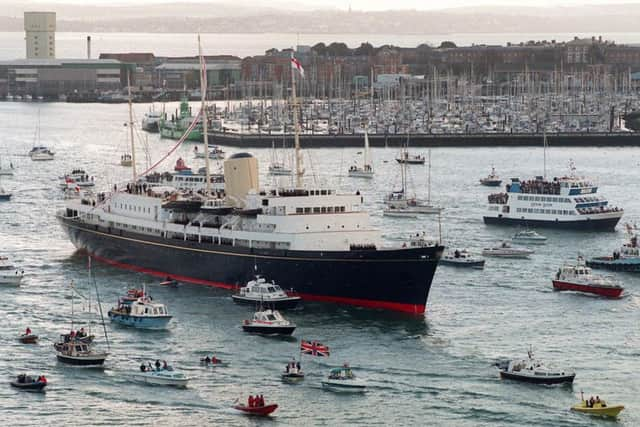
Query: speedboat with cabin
[28, 382]
[492, 180]
[529, 236]
[268, 322]
[151, 121]
[578, 277]
[462, 258]
[292, 372]
[143, 313]
[568, 202]
[260, 291]
[344, 380]
[534, 371]
[161, 376]
[78, 353]
[9, 275]
[77, 177]
[41, 153]
[505, 250]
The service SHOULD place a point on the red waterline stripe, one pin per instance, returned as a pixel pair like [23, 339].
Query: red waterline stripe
[393, 306]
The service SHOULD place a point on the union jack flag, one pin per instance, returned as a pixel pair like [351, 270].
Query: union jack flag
[314, 348]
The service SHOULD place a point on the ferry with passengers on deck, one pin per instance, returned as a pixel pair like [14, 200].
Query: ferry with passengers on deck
[567, 202]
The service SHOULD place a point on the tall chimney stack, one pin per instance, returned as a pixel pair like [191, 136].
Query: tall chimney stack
[88, 47]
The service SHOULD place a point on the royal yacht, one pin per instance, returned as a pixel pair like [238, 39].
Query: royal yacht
[568, 202]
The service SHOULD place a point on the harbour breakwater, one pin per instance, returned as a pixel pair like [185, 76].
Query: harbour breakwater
[573, 139]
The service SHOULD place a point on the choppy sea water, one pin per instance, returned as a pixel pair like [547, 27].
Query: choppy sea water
[435, 370]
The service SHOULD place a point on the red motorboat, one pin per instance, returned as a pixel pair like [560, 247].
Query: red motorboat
[579, 278]
[262, 411]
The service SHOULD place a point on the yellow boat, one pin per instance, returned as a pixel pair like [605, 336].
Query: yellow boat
[600, 409]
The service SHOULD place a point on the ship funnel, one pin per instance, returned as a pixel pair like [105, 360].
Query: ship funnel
[240, 177]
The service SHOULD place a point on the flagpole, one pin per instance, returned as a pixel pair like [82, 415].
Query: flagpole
[203, 108]
[296, 137]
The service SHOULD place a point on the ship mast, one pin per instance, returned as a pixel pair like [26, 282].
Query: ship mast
[299, 170]
[203, 112]
[544, 171]
[133, 148]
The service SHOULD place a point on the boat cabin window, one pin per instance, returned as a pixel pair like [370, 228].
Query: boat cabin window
[271, 317]
[271, 289]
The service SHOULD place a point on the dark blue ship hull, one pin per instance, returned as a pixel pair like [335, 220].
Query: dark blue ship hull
[397, 280]
[605, 224]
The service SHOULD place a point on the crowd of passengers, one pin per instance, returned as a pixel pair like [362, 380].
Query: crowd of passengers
[500, 198]
[536, 186]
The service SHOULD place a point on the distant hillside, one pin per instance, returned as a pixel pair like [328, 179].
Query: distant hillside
[236, 17]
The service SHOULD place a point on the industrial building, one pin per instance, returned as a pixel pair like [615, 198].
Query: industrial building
[40, 34]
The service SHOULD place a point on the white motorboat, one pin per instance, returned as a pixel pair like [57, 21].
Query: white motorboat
[410, 159]
[462, 258]
[268, 322]
[6, 171]
[76, 178]
[143, 313]
[215, 153]
[167, 377]
[534, 371]
[530, 237]
[344, 380]
[505, 250]
[126, 160]
[492, 180]
[292, 372]
[151, 121]
[8, 273]
[41, 153]
[4, 195]
[279, 169]
[260, 291]
[366, 171]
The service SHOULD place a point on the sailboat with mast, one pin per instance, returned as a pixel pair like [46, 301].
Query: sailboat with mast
[6, 171]
[277, 167]
[40, 152]
[366, 171]
[76, 348]
[400, 204]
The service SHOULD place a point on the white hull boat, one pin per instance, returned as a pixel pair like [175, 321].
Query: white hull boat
[163, 377]
[11, 279]
[507, 251]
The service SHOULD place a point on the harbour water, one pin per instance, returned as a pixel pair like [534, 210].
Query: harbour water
[436, 370]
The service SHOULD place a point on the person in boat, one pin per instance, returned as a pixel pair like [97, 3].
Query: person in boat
[165, 366]
[157, 364]
[207, 359]
[149, 367]
[261, 401]
[286, 368]
[298, 367]
[28, 331]
[456, 254]
[143, 368]
[81, 333]
[251, 401]
[214, 359]
[22, 378]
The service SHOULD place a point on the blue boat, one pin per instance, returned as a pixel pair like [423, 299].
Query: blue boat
[141, 313]
[626, 258]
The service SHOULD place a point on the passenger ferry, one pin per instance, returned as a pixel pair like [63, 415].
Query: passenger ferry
[567, 202]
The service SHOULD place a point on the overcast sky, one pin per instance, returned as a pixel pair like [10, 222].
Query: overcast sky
[359, 4]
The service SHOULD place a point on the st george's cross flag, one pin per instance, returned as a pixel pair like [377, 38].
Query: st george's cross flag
[295, 64]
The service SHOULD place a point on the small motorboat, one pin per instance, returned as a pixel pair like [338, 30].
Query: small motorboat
[261, 411]
[213, 362]
[492, 180]
[534, 371]
[170, 283]
[5, 196]
[215, 153]
[260, 291]
[344, 380]
[462, 258]
[268, 322]
[597, 407]
[505, 250]
[8, 273]
[579, 278]
[530, 237]
[27, 382]
[279, 169]
[143, 313]
[410, 159]
[28, 338]
[292, 372]
[181, 166]
[126, 160]
[77, 177]
[163, 376]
